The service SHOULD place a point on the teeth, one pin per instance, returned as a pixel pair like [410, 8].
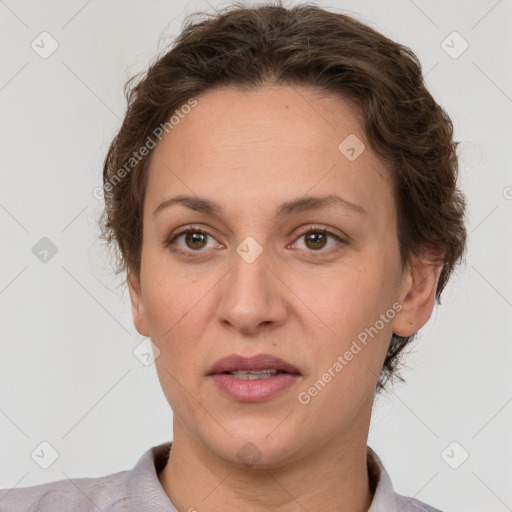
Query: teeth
[253, 374]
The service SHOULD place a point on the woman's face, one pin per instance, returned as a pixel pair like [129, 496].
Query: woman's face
[271, 271]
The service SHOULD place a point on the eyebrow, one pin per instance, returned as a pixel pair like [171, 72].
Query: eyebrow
[300, 204]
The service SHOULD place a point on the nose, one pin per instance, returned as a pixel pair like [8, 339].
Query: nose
[252, 297]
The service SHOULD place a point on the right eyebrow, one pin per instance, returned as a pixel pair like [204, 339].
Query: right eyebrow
[193, 203]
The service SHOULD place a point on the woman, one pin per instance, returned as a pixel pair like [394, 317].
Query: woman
[283, 194]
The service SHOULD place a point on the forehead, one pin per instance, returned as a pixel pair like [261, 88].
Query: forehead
[268, 143]
[268, 117]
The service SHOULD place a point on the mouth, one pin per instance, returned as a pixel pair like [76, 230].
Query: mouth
[260, 366]
[253, 379]
[254, 374]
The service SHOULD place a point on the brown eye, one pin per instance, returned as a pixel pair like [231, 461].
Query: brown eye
[318, 240]
[195, 240]
[192, 240]
[315, 240]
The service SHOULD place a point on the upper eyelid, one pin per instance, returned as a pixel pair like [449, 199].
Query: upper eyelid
[171, 238]
[190, 229]
[317, 228]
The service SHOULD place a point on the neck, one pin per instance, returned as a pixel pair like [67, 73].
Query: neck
[333, 476]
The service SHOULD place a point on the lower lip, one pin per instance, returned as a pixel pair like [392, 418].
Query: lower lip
[255, 390]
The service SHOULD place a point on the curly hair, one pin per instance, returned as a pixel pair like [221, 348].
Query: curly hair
[302, 45]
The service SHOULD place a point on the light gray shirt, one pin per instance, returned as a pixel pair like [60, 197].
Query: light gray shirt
[139, 490]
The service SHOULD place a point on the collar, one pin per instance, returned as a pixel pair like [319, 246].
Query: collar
[145, 493]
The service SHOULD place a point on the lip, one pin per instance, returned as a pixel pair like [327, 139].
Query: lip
[257, 390]
[236, 362]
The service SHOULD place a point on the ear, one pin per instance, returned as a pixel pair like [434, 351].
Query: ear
[138, 310]
[418, 295]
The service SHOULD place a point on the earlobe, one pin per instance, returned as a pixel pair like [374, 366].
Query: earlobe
[138, 308]
[418, 296]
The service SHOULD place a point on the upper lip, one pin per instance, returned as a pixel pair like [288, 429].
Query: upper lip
[236, 362]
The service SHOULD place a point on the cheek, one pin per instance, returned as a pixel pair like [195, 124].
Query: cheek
[357, 306]
[179, 311]
[170, 294]
[175, 316]
[176, 312]
[354, 297]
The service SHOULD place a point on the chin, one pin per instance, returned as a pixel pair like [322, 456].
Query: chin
[257, 450]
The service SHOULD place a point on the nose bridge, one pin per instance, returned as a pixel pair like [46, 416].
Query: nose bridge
[250, 296]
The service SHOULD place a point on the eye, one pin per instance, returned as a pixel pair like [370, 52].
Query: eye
[191, 240]
[195, 240]
[316, 239]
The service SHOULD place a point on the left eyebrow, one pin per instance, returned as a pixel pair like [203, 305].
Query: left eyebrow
[300, 204]
[307, 203]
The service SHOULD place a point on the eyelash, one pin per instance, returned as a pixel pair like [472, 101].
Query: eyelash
[310, 253]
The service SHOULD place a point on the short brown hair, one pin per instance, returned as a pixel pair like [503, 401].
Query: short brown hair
[302, 45]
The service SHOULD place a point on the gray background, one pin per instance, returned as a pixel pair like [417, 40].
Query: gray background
[69, 376]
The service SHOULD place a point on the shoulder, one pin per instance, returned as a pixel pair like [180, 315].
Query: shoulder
[385, 498]
[130, 490]
[80, 495]
[406, 504]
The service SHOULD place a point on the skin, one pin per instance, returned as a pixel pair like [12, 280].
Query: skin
[250, 152]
